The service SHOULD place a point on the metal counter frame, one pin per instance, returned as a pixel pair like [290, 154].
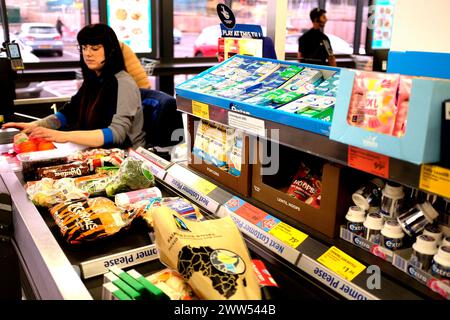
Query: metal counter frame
[49, 272]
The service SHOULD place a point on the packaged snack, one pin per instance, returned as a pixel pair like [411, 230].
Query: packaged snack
[70, 170]
[172, 284]
[99, 157]
[235, 156]
[307, 186]
[94, 184]
[89, 219]
[179, 205]
[372, 105]
[127, 198]
[49, 192]
[32, 161]
[110, 171]
[132, 175]
[210, 255]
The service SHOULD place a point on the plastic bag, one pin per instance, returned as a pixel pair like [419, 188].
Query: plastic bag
[48, 192]
[89, 219]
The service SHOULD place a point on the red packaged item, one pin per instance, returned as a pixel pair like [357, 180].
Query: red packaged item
[306, 186]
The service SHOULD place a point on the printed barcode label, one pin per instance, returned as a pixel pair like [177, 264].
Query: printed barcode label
[399, 262]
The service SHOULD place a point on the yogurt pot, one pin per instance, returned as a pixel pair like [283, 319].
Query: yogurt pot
[373, 225]
[440, 266]
[392, 235]
[355, 220]
[424, 250]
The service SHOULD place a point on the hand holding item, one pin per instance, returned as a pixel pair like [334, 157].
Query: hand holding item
[49, 134]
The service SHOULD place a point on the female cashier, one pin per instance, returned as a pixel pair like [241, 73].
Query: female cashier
[106, 110]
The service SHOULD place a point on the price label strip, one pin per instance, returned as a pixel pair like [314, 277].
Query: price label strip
[368, 161]
[341, 263]
[435, 179]
[200, 110]
[290, 236]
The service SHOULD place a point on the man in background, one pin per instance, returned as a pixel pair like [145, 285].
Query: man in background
[314, 46]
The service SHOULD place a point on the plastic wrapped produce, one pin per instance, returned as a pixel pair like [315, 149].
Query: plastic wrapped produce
[132, 175]
[49, 192]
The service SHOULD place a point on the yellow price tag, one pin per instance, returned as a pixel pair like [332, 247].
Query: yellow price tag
[203, 186]
[341, 263]
[200, 110]
[284, 232]
[435, 179]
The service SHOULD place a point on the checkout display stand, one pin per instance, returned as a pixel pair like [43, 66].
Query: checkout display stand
[53, 270]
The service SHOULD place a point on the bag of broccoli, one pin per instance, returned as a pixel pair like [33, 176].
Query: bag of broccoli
[132, 175]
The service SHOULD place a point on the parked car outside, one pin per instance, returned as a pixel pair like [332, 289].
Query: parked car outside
[41, 37]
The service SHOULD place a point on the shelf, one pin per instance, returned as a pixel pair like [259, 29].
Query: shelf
[274, 235]
[403, 172]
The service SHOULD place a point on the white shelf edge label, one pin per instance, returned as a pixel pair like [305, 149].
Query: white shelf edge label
[246, 123]
[152, 167]
[332, 280]
[128, 258]
[191, 193]
[270, 242]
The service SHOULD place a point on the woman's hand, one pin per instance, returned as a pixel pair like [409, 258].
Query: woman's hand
[24, 126]
[49, 135]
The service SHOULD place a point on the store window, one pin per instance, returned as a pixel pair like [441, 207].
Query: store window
[340, 27]
[298, 22]
[196, 25]
[34, 24]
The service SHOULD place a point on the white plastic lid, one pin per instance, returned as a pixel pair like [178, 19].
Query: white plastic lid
[393, 191]
[374, 221]
[443, 256]
[425, 245]
[355, 214]
[392, 229]
[360, 201]
[429, 212]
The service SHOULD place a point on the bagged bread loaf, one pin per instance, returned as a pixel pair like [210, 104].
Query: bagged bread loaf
[89, 219]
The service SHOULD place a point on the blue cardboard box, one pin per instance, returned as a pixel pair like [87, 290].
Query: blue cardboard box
[421, 142]
[264, 112]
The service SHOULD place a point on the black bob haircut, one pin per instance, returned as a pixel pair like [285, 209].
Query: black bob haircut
[316, 13]
[99, 33]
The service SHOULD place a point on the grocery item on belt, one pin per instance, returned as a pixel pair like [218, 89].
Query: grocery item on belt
[89, 219]
[179, 205]
[93, 184]
[128, 198]
[172, 284]
[70, 170]
[306, 186]
[31, 161]
[99, 157]
[49, 192]
[110, 171]
[211, 255]
[132, 175]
